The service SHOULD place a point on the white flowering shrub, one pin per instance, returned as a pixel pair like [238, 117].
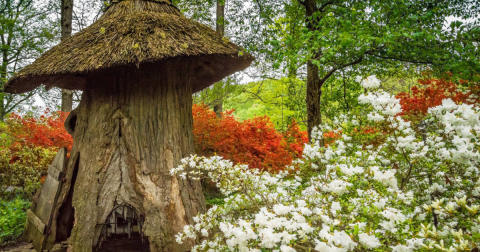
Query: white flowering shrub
[417, 190]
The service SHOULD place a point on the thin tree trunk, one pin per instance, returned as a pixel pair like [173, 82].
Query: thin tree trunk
[345, 92]
[132, 127]
[2, 105]
[3, 68]
[67, 100]
[66, 22]
[221, 17]
[218, 108]
[3, 77]
[2, 93]
[314, 84]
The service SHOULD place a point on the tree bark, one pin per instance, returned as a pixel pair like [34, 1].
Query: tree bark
[314, 95]
[66, 23]
[3, 67]
[220, 22]
[67, 100]
[218, 108]
[221, 17]
[133, 126]
[314, 84]
[3, 74]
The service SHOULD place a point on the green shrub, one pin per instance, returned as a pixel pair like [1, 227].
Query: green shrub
[12, 219]
[23, 168]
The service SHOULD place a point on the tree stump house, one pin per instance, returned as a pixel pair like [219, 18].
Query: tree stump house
[137, 66]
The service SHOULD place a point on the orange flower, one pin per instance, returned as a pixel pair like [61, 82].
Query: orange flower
[255, 142]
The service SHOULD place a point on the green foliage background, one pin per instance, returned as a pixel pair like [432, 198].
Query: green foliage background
[284, 99]
[12, 219]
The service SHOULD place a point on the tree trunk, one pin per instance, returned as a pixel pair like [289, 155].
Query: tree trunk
[66, 23]
[4, 65]
[314, 94]
[2, 94]
[3, 80]
[132, 127]
[314, 84]
[221, 17]
[218, 108]
[67, 100]
[2, 106]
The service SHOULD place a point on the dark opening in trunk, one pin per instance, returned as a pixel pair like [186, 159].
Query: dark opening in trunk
[122, 231]
[67, 212]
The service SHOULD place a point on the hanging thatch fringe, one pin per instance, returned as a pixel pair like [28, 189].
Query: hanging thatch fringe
[131, 32]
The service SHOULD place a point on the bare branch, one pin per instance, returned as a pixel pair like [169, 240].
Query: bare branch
[30, 95]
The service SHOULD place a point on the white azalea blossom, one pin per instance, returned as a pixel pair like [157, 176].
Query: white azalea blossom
[417, 189]
[369, 241]
[369, 82]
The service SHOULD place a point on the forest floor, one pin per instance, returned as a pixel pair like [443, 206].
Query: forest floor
[28, 247]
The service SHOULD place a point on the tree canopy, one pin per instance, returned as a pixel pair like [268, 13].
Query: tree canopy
[27, 28]
[361, 37]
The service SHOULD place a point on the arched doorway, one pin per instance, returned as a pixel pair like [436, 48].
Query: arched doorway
[122, 231]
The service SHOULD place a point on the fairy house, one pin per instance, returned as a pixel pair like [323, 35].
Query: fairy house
[137, 66]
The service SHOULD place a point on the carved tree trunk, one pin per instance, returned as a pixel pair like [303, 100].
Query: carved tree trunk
[133, 125]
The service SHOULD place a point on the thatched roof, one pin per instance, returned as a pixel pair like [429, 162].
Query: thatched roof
[133, 32]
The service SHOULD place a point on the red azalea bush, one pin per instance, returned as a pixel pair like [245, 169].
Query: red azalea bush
[45, 131]
[430, 94]
[415, 105]
[362, 135]
[331, 136]
[295, 139]
[255, 142]
[28, 145]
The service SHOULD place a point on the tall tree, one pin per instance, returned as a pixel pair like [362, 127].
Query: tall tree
[201, 11]
[220, 21]
[66, 14]
[220, 28]
[360, 37]
[26, 30]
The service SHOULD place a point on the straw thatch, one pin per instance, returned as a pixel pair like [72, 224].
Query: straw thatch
[133, 32]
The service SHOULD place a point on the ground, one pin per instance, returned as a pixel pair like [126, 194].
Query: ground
[28, 247]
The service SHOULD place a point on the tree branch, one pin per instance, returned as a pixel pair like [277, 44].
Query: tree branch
[322, 8]
[398, 59]
[30, 95]
[301, 2]
[333, 70]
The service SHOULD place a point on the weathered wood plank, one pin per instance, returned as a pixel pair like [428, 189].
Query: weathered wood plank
[54, 172]
[47, 198]
[41, 214]
[36, 221]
